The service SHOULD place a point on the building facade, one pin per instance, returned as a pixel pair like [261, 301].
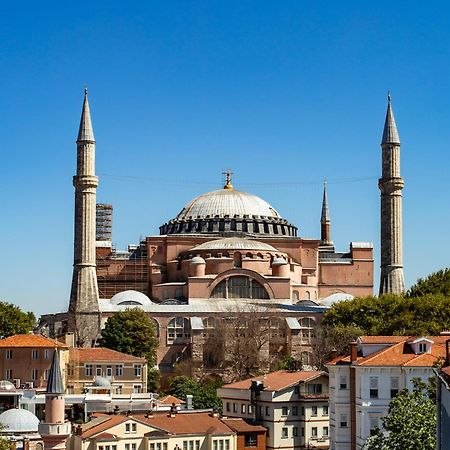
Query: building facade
[293, 406]
[363, 383]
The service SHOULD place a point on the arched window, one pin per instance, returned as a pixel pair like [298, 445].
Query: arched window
[239, 287]
[307, 329]
[307, 295]
[237, 258]
[295, 296]
[156, 325]
[178, 328]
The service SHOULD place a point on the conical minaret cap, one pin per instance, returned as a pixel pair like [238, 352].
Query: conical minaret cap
[325, 217]
[390, 133]
[55, 383]
[85, 132]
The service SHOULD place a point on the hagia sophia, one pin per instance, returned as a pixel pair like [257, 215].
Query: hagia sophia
[226, 255]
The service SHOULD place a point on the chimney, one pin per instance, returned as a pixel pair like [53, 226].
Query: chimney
[189, 401]
[353, 351]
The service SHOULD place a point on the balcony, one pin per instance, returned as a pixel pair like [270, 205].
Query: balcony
[313, 392]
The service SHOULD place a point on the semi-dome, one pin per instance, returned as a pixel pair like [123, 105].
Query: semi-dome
[229, 211]
[234, 243]
[130, 298]
[19, 421]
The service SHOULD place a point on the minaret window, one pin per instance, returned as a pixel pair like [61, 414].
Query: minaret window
[239, 287]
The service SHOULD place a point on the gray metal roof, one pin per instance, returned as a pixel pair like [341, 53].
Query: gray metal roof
[292, 323]
[227, 202]
[235, 243]
[86, 132]
[390, 133]
[55, 383]
[196, 323]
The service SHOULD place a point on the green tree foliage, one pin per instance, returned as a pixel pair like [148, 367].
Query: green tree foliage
[204, 392]
[14, 321]
[410, 423]
[391, 315]
[131, 331]
[436, 283]
[153, 380]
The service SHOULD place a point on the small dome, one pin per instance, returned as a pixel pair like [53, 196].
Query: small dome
[235, 244]
[101, 382]
[19, 421]
[197, 260]
[130, 298]
[279, 262]
[335, 298]
[7, 385]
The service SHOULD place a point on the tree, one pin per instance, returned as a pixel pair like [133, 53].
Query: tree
[204, 392]
[410, 423]
[131, 331]
[14, 321]
[436, 283]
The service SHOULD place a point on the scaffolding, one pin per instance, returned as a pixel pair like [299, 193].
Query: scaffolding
[103, 222]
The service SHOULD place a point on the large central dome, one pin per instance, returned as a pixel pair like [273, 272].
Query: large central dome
[227, 202]
[228, 211]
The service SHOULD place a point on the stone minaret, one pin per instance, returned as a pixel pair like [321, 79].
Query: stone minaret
[391, 185]
[54, 429]
[84, 317]
[325, 223]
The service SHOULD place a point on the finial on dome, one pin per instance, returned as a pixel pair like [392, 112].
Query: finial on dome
[228, 184]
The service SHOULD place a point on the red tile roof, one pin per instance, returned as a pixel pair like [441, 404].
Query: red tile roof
[170, 399]
[101, 354]
[187, 423]
[276, 381]
[398, 352]
[241, 426]
[30, 340]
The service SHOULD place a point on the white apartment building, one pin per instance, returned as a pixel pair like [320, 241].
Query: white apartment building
[362, 384]
[293, 406]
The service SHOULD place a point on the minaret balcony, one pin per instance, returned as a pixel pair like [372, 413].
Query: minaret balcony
[54, 429]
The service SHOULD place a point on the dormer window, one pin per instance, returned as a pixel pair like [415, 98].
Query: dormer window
[422, 347]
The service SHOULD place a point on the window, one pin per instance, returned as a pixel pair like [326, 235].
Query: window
[373, 425]
[297, 389]
[239, 287]
[284, 432]
[46, 374]
[422, 347]
[133, 446]
[46, 354]
[228, 407]
[8, 354]
[127, 427]
[119, 370]
[343, 421]
[178, 328]
[342, 382]
[8, 374]
[314, 432]
[98, 371]
[314, 411]
[267, 411]
[114, 447]
[394, 386]
[250, 409]
[284, 411]
[325, 432]
[294, 431]
[234, 407]
[34, 354]
[127, 446]
[137, 370]
[109, 371]
[243, 408]
[137, 389]
[295, 410]
[314, 389]
[88, 370]
[373, 391]
[324, 410]
[133, 427]
[34, 374]
[197, 445]
[303, 410]
[303, 431]
[250, 440]
[119, 389]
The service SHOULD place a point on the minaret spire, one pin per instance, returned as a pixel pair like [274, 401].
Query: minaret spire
[54, 429]
[84, 317]
[391, 185]
[325, 223]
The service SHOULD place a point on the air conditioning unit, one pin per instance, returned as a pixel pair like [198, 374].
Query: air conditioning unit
[29, 385]
[16, 382]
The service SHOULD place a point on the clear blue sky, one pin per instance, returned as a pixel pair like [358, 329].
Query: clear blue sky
[285, 93]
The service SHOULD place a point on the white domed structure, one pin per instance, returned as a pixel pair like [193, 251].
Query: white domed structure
[101, 382]
[335, 298]
[229, 211]
[130, 298]
[17, 421]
